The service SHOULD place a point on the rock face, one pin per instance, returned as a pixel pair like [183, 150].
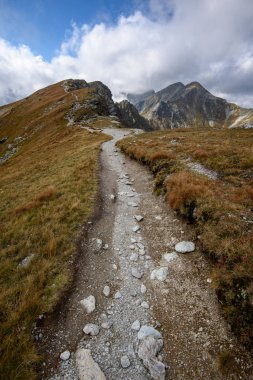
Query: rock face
[130, 117]
[184, 106]
[98, 103]
[87, 368]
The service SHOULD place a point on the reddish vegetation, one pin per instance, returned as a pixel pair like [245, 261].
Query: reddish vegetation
[221, 210]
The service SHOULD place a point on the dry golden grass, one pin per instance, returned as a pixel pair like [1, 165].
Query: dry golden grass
[221, 210]
[47, 190]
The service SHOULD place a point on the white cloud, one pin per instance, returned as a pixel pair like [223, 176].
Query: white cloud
[177, 40]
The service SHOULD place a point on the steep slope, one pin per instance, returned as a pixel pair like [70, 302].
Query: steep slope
[130, 117]
[48, 181]
[192, 105]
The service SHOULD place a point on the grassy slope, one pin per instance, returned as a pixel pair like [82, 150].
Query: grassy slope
[222, 210]
[47, 190]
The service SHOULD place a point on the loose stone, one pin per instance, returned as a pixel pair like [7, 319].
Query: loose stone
[88, 304]
[125, 362]
[107, 325]
[99, 244]
[137, 273]
[136, 325]
[185, 247]
[135, 228]
[65, 355]
[91, 329]
[159, 274]
[145, 305]
[170, 256]
[139, 218]
[117, 295]
[87, 367]
[106, 291]
[143, 289]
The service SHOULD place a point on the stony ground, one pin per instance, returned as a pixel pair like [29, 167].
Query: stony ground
[130, 266]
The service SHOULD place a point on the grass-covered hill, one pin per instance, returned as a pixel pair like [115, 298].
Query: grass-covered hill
[48, 185]
[207, 177]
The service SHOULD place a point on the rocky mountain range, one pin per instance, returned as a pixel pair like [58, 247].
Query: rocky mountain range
[188, 106]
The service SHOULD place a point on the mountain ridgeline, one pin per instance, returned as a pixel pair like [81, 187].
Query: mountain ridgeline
[188, 106]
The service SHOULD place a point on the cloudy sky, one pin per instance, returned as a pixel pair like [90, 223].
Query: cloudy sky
[131, 45]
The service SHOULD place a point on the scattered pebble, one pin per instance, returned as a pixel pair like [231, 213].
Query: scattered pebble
[159, 274]
[65, 355]
[125, 362]
[91, 329]
[135, 228]
[139, 218]
[145, 305]
[88, 304]
[117, 295]
[136, 325]
[170, 256]
[106, 291]
[137, 273]
[143, 289]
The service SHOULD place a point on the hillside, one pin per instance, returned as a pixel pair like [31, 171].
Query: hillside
[206, 176]
[48, 182]
[189, 106]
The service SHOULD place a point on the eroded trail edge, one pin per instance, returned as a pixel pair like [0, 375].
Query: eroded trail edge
[139, 282]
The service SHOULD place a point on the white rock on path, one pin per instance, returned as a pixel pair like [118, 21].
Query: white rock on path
[88, 304]
[148, 350]
[87, 368]
[106, 291]
[137, 273]
[91, 329]
[107, 325]
[146, 331]
[159, 274]
[65, 355]
[143, 289]
[136, 325]
[99, 244]
[135, 228]
[170, 256]
[117, 295]
[185, 247]
[139, 218]
[125, 362]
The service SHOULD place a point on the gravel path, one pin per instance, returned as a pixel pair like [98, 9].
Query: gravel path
[177, 299]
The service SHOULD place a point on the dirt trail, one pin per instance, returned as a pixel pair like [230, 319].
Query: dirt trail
[184, 306]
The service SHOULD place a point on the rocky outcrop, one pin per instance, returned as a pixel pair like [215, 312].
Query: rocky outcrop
[130, 117]
[98, 103]
[187, 106]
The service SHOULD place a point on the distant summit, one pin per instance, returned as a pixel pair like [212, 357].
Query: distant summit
[191, 105]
